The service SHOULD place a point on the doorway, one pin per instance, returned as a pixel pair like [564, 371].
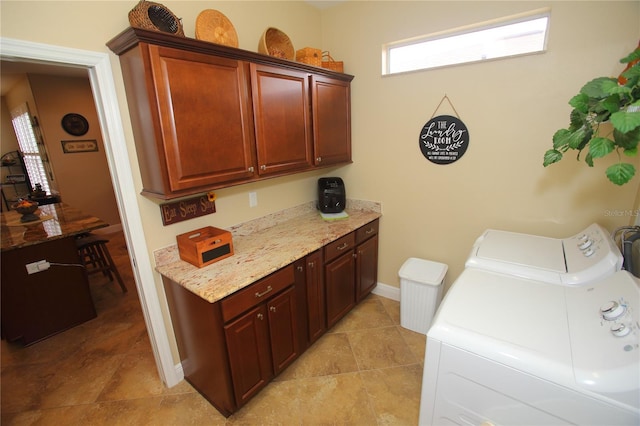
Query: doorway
[102, 82]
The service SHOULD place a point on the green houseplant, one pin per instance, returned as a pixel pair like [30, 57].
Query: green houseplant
[605, 120]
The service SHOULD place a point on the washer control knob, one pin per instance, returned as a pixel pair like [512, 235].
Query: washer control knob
[585, 244]
[612, 310]
[588, 252]
[620, 330]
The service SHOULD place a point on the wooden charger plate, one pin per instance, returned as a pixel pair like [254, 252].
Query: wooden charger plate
[214, 27]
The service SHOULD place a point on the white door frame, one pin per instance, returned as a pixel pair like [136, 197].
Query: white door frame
[104, 93]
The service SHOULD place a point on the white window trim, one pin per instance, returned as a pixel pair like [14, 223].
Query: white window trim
[494, 23]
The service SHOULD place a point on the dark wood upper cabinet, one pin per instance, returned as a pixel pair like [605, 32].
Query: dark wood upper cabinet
[207, 116]
[281, 117]
[331, 108]
[205, 123]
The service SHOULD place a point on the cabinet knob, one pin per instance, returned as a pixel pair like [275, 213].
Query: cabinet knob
[300, 269]
[260, 317]
[263, 167]
[318, 159]
[272, 308]
[312, 264]
[251, 169]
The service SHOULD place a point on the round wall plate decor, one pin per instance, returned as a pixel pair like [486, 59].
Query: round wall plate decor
[75, 124]
[444, 139]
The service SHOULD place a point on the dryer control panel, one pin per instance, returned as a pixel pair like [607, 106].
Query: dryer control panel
[604, 331]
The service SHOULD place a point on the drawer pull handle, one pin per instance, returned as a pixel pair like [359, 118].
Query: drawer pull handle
[268, 290]
[272, 308]
[260, 317]
[369, 231]
[300, 269]
[342, 246]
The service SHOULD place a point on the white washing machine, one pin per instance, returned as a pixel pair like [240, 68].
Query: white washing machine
[504, 350]
[585, 257]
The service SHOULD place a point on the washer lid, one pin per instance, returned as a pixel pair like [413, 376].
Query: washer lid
[517, 322]
[522, 255]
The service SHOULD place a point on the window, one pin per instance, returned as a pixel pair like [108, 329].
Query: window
[506, 37]
[32, 151]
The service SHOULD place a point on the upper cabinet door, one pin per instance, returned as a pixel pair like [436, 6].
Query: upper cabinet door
[331, 106]
[204, 117]
[281, 119]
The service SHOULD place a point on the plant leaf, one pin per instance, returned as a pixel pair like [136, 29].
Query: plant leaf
[589, 159]
[551, 156]
[578, 139]
[595, 89]
[580, 102]
[628, 140]
[620, 173]
[599, 147]
[631, 57]
[560, 138]
[625, 121]
[611, 86]
[577, 119]
[631, 152]
[611, 103]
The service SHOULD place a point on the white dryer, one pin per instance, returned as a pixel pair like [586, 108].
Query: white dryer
[585, 257]
[504, 350]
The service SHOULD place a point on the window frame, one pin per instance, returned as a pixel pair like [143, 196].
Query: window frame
[477, 27]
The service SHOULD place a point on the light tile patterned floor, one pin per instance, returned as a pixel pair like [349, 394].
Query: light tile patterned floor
[367, 370]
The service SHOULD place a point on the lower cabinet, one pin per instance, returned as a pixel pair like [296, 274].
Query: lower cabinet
[232, 348]
[351, 270]
[261, 343]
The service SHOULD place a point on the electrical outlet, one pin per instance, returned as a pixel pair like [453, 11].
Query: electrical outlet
[39, 266]
[253, 199]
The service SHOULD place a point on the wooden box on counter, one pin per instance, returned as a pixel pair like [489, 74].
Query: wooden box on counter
[204, 246]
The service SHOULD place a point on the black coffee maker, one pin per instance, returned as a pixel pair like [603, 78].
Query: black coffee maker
[332, 196]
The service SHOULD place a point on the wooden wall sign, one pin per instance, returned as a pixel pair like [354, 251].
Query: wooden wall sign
[444, 139]
[177, 211]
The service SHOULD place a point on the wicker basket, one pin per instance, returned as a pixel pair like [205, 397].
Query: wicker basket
[310, 56]
[329, 63]
[156, 17]
[213, 26]
[276, 43]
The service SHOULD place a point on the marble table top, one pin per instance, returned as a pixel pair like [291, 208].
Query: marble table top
[263, 246]
[55, 221]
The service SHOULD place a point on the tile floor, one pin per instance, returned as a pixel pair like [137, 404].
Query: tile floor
[367, 370]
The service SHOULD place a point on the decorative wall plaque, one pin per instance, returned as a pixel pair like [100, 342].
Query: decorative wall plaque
[444, 139]
[177, 211]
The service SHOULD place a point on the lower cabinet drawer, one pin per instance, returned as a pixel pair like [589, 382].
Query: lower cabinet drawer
[339, 246]
[247, 298]
[367, 231]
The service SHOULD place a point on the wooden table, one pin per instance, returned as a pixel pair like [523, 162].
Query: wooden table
[38, 305]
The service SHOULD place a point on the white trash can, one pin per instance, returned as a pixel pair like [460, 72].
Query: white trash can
[420, 292]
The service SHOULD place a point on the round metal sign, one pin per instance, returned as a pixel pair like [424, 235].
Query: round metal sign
[444, 139]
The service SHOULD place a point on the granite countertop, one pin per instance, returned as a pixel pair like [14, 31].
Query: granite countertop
[55, 221]
[263, 246]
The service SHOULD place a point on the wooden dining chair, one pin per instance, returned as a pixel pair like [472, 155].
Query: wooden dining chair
[95, 257]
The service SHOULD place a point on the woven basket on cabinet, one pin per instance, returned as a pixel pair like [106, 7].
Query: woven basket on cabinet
[156, 17]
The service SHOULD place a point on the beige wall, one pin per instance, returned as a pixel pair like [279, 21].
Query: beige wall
[82, 178]
[511, 107]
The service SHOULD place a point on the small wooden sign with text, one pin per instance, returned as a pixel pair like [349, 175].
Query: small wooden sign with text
[177, 211]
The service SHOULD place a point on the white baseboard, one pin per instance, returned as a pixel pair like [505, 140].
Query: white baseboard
[387, 291]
